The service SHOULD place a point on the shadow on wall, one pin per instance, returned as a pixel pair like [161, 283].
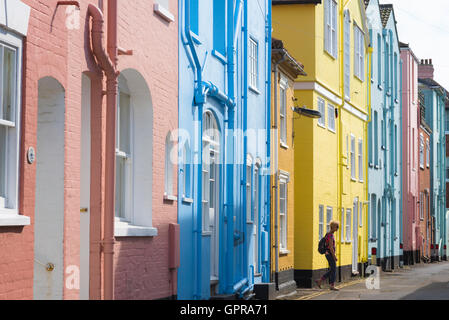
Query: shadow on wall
[434, 291]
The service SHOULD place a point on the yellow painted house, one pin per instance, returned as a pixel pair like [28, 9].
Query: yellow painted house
[285, 70]
[331, 38]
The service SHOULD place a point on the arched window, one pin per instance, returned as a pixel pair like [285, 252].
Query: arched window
[186, 165]
[134, 157]
[169, 160]
[123, 155]
[210, 173]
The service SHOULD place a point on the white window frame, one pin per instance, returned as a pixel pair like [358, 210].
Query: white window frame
[256, 215]
[321, 106]
[124, 191]
[359, 53]
[248, 188]
[360, 158]
[347, 54]
[186, 173]
[348, 225]
[342, 225]
[169, 168]
[283, 110]
[331, 28]
[253, 52]
[9, 205]
[331, 117]
[352, 155]
[361, 215]
[321, 221]
[210, 144]
[137, 218]
[428, 153]
[284, 178]
[421, 151]
[329, 217]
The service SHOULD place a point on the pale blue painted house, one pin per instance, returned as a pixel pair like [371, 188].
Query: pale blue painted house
[384, 147]
[223, 196]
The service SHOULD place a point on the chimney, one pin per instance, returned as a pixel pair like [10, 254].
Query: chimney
[426, 70]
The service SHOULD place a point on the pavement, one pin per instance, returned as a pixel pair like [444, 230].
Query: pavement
[424, 281]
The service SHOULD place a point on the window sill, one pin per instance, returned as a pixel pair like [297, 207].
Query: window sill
[219, 56]
[254, 90]
[330, 54]
[371, 165]
[283, 145]
[163, 12]
[11, 219]
[195, 38]
[353, 180]
[284, 252]
[170, 197]
[206, 233]
[187, 200]
[358, 78]
[322, 126]
[379, 87]
[333, 131]
[125, 229]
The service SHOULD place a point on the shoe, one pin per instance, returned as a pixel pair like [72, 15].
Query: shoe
[334, 289]
[318, 283]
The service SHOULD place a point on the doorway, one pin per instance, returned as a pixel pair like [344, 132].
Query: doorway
[49, 205]
[85, 188]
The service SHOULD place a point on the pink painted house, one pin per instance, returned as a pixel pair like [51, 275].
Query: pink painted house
[410, 154]
[87, 82]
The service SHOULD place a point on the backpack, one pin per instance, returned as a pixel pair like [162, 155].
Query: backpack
[322, 245]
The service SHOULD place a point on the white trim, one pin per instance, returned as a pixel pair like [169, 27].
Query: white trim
[15, 42]
[125, 229]
[355, 112]
[14, 16]
[12, 218]
[164, 12]
[319, 89]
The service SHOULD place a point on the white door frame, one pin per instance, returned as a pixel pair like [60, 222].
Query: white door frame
[355, 236]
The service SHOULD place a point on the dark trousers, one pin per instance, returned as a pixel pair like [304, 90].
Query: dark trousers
[332, 273]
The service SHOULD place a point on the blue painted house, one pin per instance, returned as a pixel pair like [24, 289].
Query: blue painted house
[223, 196]
[435, 98]
[384, 148]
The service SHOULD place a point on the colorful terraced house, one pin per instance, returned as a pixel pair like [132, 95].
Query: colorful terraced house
[384, 143]
[331, 38]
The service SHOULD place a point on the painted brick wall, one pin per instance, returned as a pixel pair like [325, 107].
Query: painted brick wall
[51, 49]
[142, 263]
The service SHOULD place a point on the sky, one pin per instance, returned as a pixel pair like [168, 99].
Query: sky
[425, 26]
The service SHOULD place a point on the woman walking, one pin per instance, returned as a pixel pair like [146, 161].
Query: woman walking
[331, 257]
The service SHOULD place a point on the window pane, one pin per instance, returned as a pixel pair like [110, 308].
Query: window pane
[119, 187]
[9, 62]
[3, 161]
[124, 117]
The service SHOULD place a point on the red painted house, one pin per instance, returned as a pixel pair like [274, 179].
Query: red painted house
[90, 103]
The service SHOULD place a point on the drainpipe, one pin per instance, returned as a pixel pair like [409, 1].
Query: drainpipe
[109, 68]
[268, 137]
[401, 172]
[276, 178]
[199, 101]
